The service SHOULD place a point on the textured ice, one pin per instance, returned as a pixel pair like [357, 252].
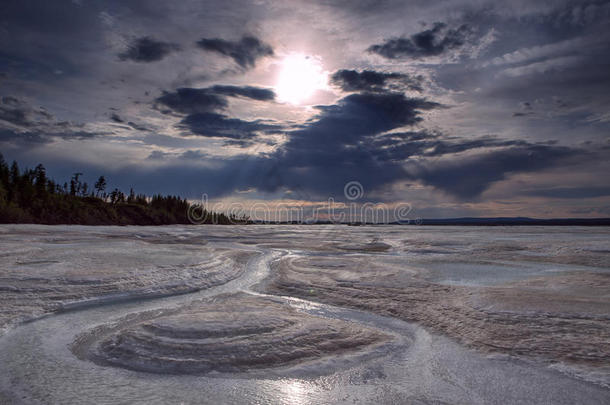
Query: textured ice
[231, 333]
[310, 314]
[559, 318]
[46, 269]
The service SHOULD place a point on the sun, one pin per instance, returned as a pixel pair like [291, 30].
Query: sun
[300, 76]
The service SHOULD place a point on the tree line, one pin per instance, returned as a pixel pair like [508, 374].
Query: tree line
[29, 196]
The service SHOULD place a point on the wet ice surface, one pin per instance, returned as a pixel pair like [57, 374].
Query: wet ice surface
[46, 269]
[357, 314]
[555, 319]
[228, 333]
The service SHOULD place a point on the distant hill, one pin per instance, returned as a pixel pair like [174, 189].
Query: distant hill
[466, 221]
[503, 221]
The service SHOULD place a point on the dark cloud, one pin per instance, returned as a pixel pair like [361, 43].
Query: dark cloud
[202, 106]
[254, 93]
[547, 59]
[23, 123]
[188, 100]
[324, 172]
[331, 149]
[114, 117]
[351, 141]
[44, 135]
[189, 154]
[147, 49]
[400, 146]
[221, 126]
[467, 177]
[244, 52]
[431, 42]
[318, 158]
[24, 138]
[569, 192]
[19, 113]
[370, 80]
[364, 114]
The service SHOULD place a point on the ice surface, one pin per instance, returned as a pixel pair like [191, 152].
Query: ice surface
[534, 319]
[230, 333]
[46, 269]
[309, 314]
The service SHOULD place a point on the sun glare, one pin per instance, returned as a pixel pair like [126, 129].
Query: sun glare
[299, 78]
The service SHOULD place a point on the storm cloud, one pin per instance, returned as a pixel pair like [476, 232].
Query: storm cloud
[22, 123]
[359, 115]
[355, 139]
[202, 108]
[19, 113]
[244, 52]
[400, 146]
[147, 49]
[351, 140]
[188, 100]
[431, 42]
[221, 126]
[370, 80]
[468, 177]
[334, 142]
[251, 92]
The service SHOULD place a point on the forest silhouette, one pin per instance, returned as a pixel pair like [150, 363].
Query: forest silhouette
[29, 196]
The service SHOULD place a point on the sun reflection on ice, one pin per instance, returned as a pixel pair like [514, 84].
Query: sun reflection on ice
[294, 392]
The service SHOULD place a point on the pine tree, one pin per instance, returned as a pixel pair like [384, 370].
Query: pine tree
[41, 181]
[100, 186]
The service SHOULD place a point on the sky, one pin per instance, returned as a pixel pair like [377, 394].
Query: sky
[456, 108]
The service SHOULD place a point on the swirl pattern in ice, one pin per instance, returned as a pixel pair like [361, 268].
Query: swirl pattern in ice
[233, 333]
[47, 271]
[561, 317]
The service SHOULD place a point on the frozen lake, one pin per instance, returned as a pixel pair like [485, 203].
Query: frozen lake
[304, 314]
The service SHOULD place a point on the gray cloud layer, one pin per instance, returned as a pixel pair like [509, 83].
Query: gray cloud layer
[505, 93]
